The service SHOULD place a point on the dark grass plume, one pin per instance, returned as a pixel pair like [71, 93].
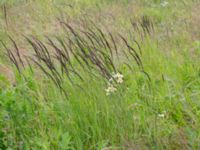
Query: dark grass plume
[96, 52]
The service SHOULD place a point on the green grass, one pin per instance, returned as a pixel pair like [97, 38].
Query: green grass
[162, 112]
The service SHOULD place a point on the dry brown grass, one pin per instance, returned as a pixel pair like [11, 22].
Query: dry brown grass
[195, 22]
[179, 140]
[7, 72]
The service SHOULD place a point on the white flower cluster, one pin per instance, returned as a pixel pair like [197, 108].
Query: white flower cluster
[111, 88]
[118, 77]
[164, 3]
[162, 115]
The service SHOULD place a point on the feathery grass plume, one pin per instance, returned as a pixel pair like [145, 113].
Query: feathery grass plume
[144, 27]
[5, 14]
[12, 57]
[93, 50]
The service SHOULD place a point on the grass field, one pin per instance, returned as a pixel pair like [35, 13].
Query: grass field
[99, 74]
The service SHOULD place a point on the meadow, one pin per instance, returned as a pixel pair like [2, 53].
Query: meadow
[99, 74]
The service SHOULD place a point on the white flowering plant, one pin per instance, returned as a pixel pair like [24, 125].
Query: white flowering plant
[164, 3]
[114, 81]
